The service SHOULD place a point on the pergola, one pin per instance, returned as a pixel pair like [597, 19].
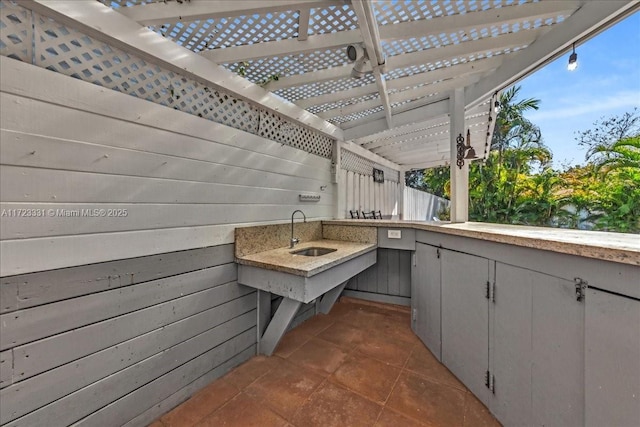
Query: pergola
[422, 73]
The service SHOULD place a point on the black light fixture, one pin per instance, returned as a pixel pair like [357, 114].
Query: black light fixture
[464, 151]
[573, 60]
[496, 104]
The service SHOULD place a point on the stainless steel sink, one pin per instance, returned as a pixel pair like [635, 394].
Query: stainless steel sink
[315, 251]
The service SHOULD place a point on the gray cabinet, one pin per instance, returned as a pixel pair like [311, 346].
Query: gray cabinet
[536, 349]
[425, 297]
[465, 318]
[612, 359]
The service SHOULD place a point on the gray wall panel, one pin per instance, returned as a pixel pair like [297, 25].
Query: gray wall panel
[56, 285]
[391, 276]
[174, 322]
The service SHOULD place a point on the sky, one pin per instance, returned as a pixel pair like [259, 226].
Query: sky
[606, 83]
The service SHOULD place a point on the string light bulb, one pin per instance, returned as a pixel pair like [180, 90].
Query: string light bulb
[573, 60]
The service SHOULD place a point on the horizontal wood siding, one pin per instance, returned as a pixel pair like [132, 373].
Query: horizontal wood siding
[390, 276]
[114, 319]
[166, 180]
[101, 355]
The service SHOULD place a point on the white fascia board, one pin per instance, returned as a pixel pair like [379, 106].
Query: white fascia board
[592, 18]
[419, 114]
[349, 146]
[286, 47]
[163, 13]
[104, 23]
[505, 15]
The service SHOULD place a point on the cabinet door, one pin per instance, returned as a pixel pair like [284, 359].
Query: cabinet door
[557, 343]
[425, 297]
[510, 345]
[465, 319]
[536, 349]
[612, 360]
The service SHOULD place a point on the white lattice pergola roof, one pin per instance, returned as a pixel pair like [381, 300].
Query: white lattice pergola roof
[289, 56]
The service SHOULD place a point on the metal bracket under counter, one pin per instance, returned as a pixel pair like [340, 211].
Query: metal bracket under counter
[296, 290]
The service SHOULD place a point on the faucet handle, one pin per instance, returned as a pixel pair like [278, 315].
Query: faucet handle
[294, 241]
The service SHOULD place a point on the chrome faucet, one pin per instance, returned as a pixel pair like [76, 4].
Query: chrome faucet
[295, 240]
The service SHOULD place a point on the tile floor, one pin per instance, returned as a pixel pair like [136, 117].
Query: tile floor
[358, 366]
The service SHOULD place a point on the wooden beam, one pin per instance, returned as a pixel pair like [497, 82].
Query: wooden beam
[286, 47]
[370, 34]
[319, 76]
[303, 24]
[464, 49]
[162, 13]
[505, 15]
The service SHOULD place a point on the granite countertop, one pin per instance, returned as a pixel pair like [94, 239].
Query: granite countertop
[616, 247]
[281, 259]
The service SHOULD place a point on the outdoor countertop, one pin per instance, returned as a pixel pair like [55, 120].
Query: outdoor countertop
[616, 247]
[281, 259]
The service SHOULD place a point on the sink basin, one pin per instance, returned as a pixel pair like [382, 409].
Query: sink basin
[315, 251]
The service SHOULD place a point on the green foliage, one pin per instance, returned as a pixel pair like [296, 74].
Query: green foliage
[516, 184]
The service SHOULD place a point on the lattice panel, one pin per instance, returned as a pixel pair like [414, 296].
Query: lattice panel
[352, 162]
[277, 129]
[65, 50]
[15, 32]
[226, 32]
[332, 19]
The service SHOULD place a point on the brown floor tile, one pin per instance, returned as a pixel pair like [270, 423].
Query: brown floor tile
[319, 355]
[428, 402]
[398, 329]
[386, 349]
[370, 378]
[333, 406]
[201, 404]
[291, 341]
[243, 411]
[285, 388]
[365, 317]
[425, 364]
[477, 415]
[343, 335]
[250, 371]
[389, 418]
[156, 423]
[315, 325]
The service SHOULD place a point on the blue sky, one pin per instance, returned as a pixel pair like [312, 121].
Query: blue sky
[606, 83]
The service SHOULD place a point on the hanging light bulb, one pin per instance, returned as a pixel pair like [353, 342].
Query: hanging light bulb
[573, 60]
[496, 107]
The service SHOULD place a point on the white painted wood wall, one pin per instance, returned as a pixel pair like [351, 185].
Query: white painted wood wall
[362, 194]
[420, 205]
[184, 182]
